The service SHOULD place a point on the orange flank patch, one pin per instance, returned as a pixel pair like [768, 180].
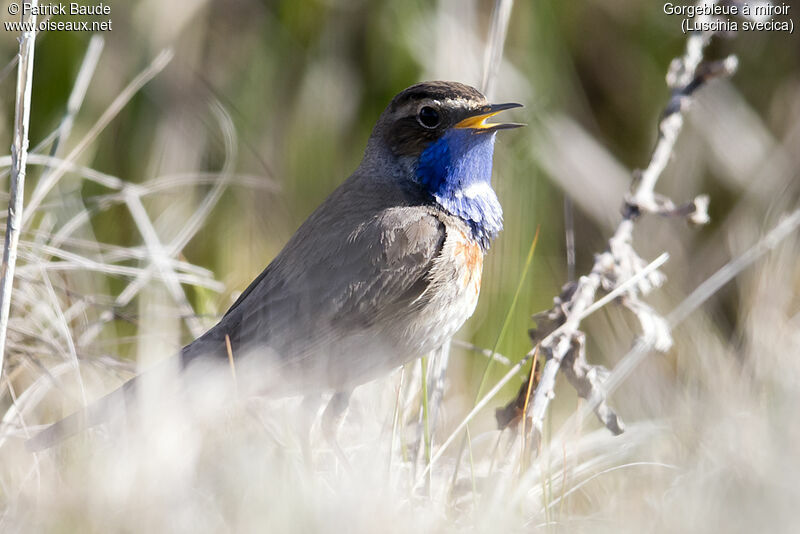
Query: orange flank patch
[469, 255]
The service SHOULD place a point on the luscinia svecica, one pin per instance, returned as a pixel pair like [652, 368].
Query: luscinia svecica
[387, 269]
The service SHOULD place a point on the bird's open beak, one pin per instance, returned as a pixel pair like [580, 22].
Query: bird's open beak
[476, 120]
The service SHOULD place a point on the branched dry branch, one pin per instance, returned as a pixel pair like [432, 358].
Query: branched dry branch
[19, 154]
[561, 342]
[787, 226]
[481, 404]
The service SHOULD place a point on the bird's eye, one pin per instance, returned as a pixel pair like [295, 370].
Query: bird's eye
[428, 117]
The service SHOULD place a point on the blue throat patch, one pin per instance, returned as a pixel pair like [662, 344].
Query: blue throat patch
[457, 171]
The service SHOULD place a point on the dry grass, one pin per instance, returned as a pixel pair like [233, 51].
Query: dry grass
[712, 426]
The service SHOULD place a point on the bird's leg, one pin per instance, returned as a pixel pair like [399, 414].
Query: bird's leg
[308, 413]
[434, 376]
[332, 419]
[437, 370]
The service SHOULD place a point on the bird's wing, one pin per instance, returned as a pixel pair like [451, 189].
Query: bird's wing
[387, 266]
[332, 277]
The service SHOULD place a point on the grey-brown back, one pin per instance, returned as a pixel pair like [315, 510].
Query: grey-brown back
[360, 260]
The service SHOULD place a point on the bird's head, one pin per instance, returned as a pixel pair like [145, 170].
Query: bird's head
[440, 137]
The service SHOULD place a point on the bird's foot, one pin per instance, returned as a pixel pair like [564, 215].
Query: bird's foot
[332, 419]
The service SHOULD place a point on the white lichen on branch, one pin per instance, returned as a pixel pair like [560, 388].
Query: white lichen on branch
[557, 335]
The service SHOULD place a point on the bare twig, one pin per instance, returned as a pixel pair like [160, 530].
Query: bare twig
[494, 51]
[19, 154]
[622, 288]
[569, 238]
[496, 356]
[727, 272]
[74, 103]
[567, 349]
[79, 88]
[786, 227]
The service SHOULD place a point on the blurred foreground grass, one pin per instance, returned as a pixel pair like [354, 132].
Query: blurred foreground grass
[714, 433]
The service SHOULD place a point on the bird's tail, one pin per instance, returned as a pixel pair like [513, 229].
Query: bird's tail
[119, 400]
[96, 413]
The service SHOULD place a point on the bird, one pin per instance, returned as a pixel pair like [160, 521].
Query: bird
[387, 269]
